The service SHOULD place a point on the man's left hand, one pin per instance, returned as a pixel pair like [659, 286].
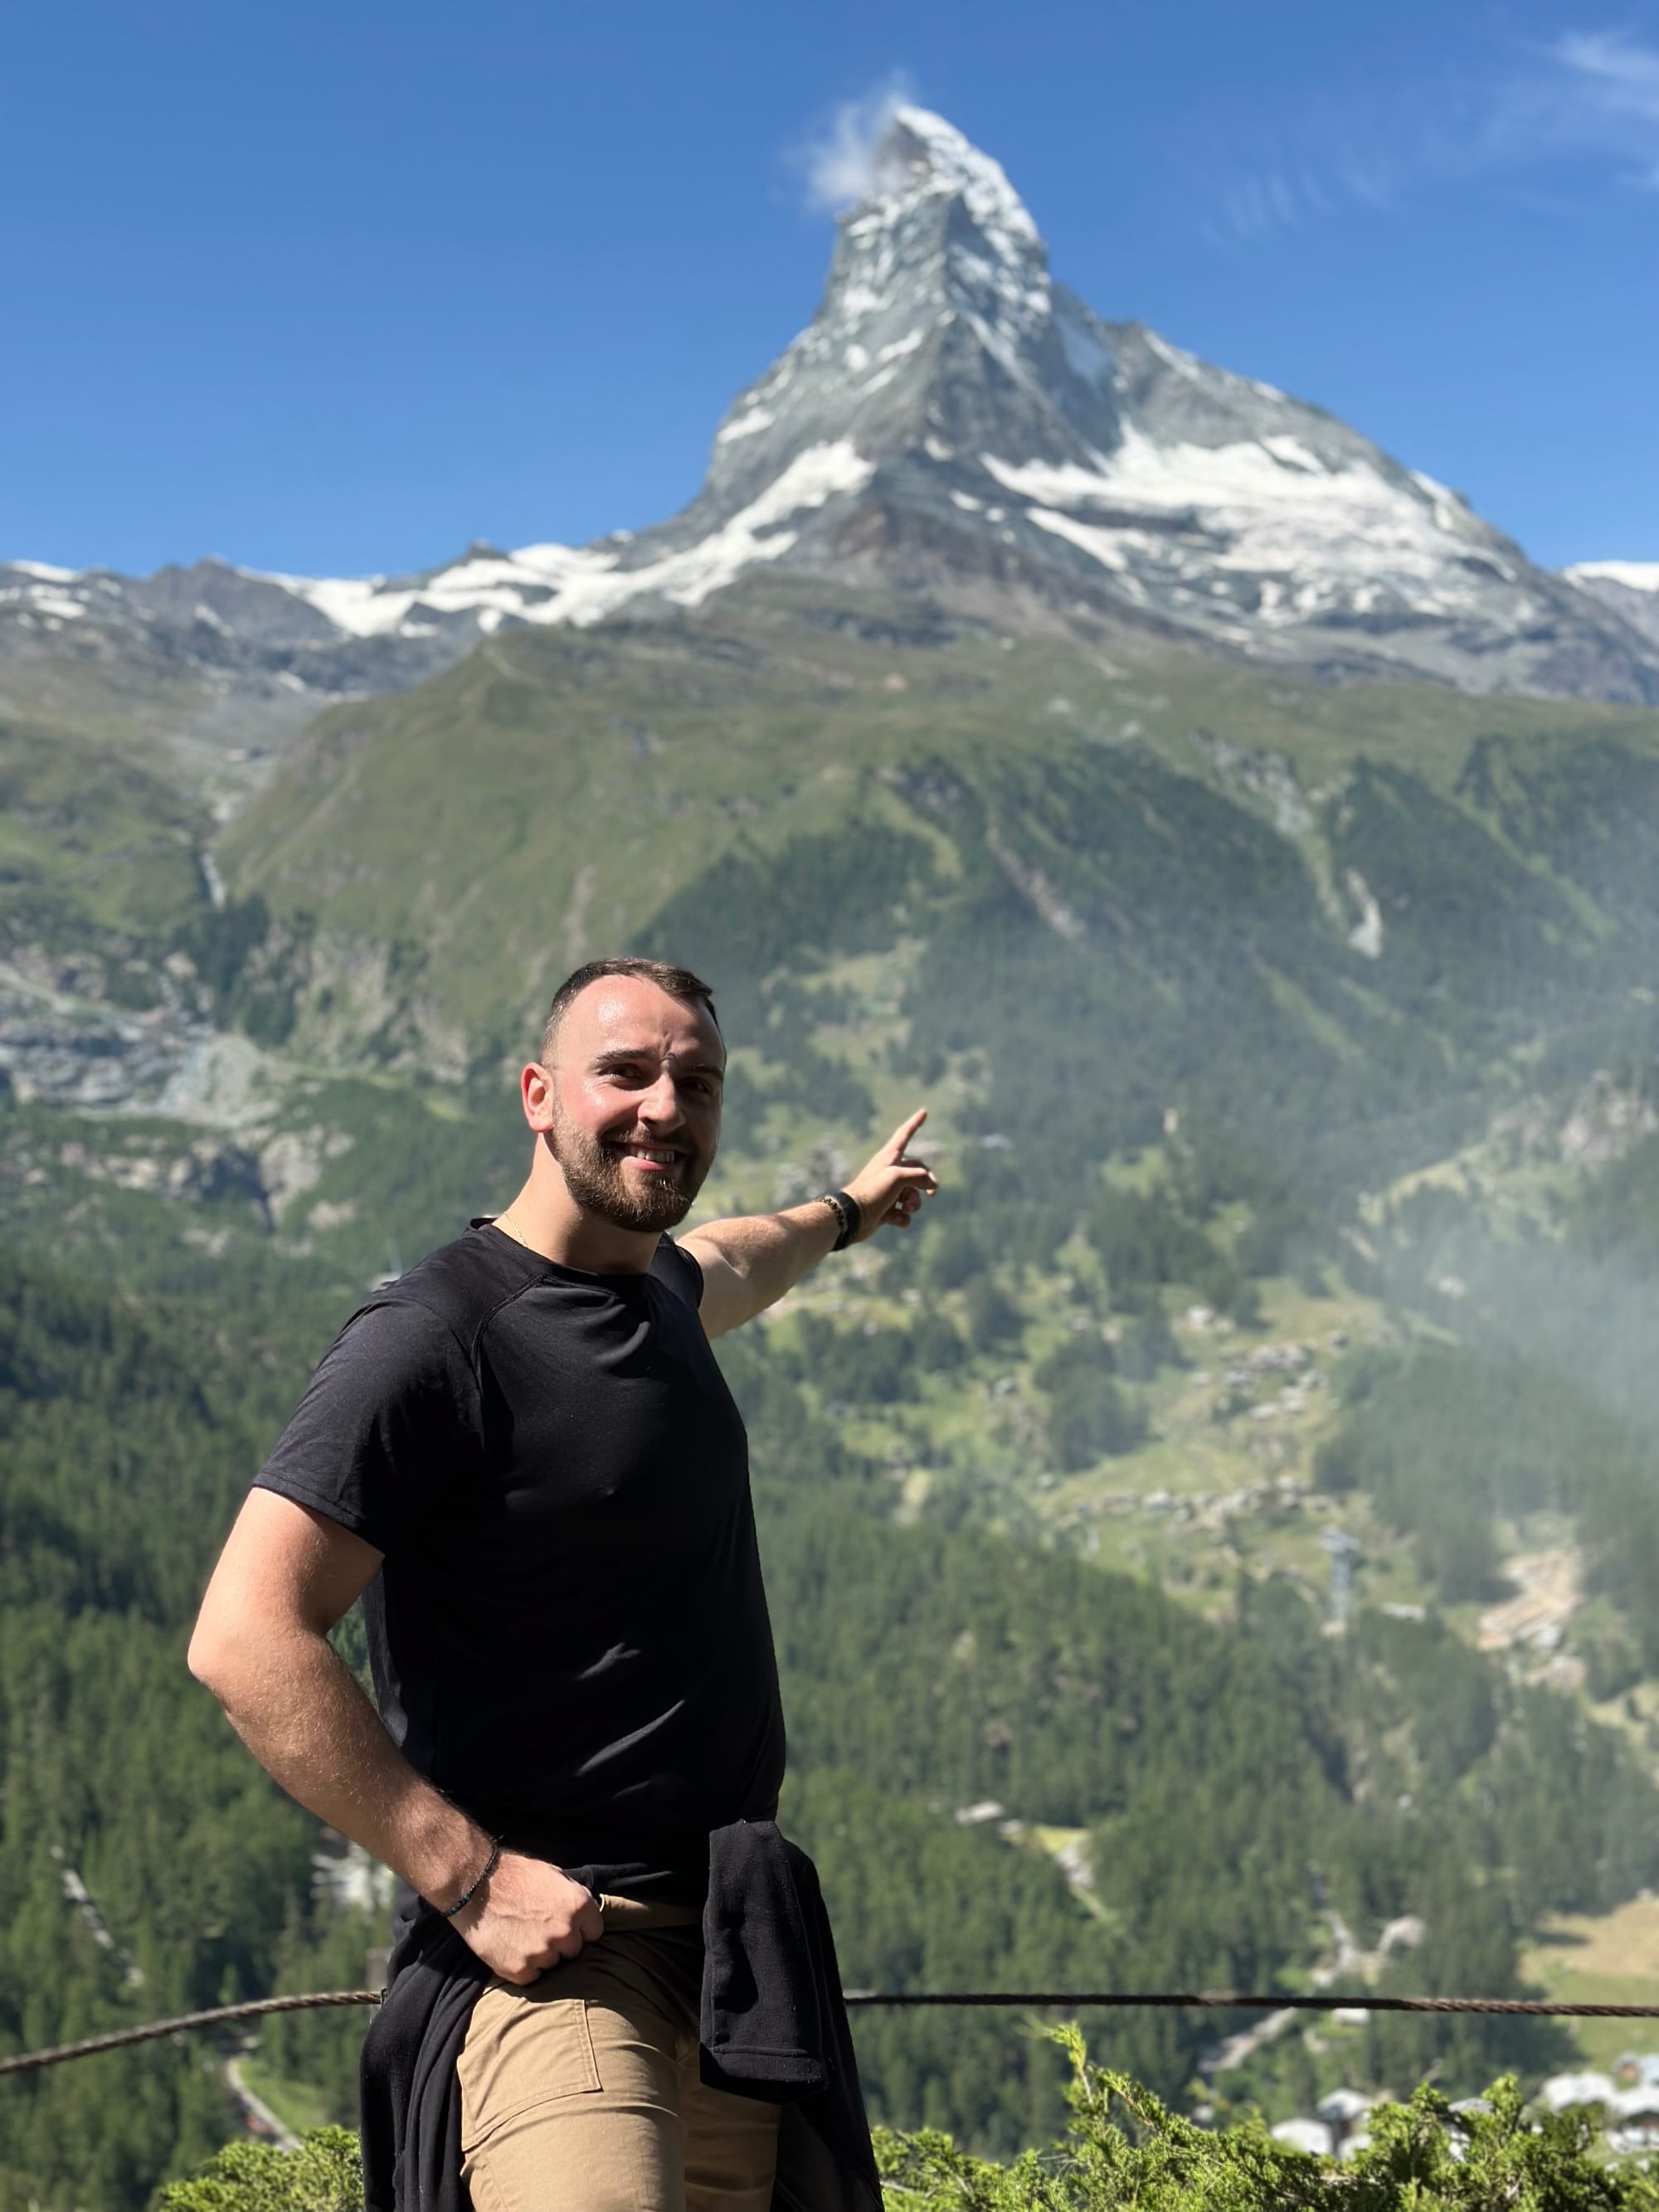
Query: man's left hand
[890, 1188]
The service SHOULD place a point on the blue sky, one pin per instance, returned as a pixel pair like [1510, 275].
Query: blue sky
[337, 286]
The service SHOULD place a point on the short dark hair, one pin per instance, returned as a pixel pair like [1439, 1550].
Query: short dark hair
[680, 984]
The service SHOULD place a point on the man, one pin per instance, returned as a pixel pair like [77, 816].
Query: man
[523, 1456]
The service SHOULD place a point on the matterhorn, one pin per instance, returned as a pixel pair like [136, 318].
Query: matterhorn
[955, 426]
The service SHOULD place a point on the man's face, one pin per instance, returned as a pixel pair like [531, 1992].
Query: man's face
[634, 1102]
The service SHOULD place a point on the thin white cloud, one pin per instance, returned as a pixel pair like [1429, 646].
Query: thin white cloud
[1261, 204]
[1590, 98]
[840, 161]
[1593, 94]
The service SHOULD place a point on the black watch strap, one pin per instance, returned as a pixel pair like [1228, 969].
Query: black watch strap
[846, 1211]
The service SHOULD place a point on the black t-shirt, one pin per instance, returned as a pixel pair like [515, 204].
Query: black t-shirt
[568, 1632]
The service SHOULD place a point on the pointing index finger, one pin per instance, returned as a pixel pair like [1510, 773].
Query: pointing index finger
[901, 1136]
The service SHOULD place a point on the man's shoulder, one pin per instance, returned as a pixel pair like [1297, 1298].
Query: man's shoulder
[680, 1270]
[459, 1286]
[396, 1402]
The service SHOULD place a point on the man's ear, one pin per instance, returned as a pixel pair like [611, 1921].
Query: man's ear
[536, 1088]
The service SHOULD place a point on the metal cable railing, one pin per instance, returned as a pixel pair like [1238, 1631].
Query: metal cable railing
[1030, 1999]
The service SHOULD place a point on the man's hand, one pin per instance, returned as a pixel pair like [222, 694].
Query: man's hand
[528, 1917]
[750, 1263]
[261, 1645]
[890, 1188]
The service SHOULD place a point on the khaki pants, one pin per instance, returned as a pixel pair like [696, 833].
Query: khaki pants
[580, 2093]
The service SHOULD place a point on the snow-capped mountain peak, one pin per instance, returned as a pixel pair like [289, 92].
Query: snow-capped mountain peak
[923, 156]
[939, 278]
[1015, 438]
[954, 422]
[928, 174]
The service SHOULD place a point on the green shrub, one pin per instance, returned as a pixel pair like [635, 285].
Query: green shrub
[1124, 2151]
[324, 2173]
[1123, 2148]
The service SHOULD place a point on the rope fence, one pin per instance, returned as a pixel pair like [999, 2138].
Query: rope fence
[1032, 2000]
[27, 2062]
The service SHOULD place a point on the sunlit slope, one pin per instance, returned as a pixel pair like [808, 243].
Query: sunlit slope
[93, 839]
[1178, 884]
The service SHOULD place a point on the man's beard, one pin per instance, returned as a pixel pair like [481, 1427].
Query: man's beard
[596, 1178]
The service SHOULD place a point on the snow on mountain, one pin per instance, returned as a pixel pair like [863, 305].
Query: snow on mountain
[1633, 575]
[488, 587]
[46, 593]
[1026, 451]
[563, 583]
[954, 422]
[1630, 588]
[1302, 537]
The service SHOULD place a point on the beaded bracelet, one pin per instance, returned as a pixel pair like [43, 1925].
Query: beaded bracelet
[448, 1911]
[846, 1211]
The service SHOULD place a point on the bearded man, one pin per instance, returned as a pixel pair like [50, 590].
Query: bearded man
[614, 1989]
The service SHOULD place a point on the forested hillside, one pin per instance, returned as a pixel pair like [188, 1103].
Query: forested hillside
[1227, 1778]
[1289, 1054]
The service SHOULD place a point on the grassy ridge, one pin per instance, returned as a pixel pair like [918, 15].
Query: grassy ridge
[93, 842]
[559, 793]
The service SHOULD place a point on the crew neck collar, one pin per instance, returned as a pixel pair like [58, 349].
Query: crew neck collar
[540, 1262]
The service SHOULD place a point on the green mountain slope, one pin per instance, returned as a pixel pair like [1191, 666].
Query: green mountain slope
[1303, 910]
[97, 843]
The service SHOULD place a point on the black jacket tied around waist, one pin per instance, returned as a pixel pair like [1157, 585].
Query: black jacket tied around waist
[772, 2025]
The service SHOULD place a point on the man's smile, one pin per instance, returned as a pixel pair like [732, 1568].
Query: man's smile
[650, 1156]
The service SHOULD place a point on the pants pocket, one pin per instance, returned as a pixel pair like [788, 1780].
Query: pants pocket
[522, 2050]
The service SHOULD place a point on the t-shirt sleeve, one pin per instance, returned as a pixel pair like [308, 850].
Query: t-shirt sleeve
[389, 1420]
[679, 1270]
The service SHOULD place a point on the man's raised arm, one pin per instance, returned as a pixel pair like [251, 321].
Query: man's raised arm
[748, 1261]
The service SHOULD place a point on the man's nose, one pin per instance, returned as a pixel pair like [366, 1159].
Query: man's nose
[660, 1105]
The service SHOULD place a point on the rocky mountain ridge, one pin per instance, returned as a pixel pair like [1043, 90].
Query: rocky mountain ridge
[1631, 588]
[952, 423]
